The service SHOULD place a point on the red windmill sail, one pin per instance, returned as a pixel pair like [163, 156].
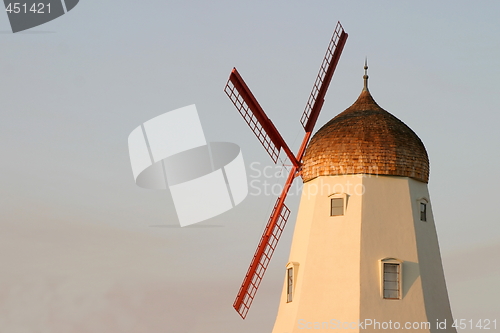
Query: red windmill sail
[273, 142]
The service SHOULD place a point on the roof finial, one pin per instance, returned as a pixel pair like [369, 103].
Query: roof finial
[365, 77]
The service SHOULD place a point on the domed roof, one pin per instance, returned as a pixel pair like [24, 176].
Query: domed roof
[365, 139]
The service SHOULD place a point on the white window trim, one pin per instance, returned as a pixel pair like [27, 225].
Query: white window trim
[400, 280]
[338, 195]
[425, 201]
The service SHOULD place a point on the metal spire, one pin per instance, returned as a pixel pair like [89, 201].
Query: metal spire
[365, 77]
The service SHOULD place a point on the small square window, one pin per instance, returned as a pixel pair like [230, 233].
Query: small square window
[423, 211]
[289, 288]
[337, 207]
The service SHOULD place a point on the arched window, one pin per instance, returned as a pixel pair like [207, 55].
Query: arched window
[338, 204]
[291, 277]
[423, 209]
[391, 278]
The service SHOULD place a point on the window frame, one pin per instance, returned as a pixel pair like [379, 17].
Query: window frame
[289, 284]
[290, 287]
[338, 196]
[399, 274]
[423, 212]
[332, 206]
[423, 216]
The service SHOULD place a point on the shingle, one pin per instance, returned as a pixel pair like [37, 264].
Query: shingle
[365, 139]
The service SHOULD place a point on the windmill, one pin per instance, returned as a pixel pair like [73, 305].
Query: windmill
[273, 142]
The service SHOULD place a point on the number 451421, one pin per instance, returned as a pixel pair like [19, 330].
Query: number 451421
[485, 324]
[36, 8]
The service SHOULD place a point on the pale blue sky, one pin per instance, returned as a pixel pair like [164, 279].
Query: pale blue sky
[83, 249]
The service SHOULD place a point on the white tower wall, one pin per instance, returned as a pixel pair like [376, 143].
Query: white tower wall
[337, 259]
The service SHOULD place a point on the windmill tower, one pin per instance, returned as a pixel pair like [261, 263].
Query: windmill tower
[365, 245]
[365, 249]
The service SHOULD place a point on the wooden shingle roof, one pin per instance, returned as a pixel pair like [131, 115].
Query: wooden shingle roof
[365, 139]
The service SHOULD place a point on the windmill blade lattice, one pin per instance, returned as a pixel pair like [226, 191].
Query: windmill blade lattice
[245, 110]
[263, 128]
[246, 104]
[316, 98]
[261, 258]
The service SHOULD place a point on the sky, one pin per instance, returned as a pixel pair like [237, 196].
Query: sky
[83, 249]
